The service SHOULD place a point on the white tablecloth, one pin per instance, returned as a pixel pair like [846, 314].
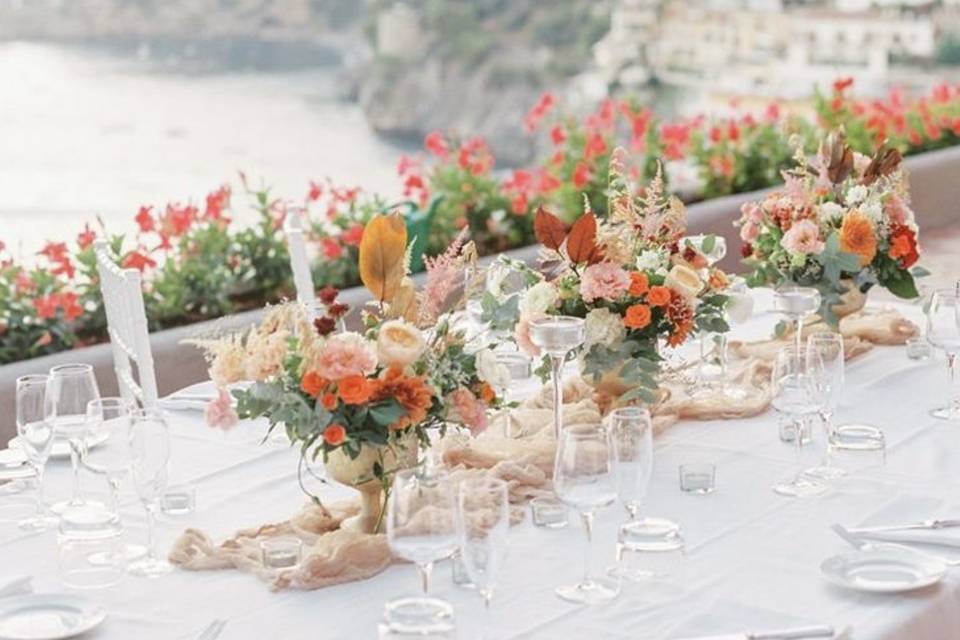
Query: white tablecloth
[752, 557]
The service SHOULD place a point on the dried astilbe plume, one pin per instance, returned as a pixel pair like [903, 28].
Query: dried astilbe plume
[445, 273]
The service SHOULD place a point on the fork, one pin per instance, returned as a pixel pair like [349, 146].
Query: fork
[859, 543]
[213, 630]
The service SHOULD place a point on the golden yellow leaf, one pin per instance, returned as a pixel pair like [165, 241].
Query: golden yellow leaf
[382, 256]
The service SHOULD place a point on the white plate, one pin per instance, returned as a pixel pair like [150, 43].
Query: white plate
[48, 616]
[61, 448]
[883, 569]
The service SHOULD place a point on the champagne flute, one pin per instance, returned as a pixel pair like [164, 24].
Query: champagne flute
[584, 477]
[794, 394]
[943, 332]
[557, 336]
[516, 367]
[632, 433]
[797, 303]
[422, 528]
[825, 357]
[149, 445]
[36, 440]
[113, 416]
[70, 388]
[484, 512]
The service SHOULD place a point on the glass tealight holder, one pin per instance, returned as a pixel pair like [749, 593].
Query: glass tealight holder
[918, 348]
[654, 553]
[788, 429]
[460, 576]
[90, 548]
[698, 477]
[179, 500]
[280, 553]
[548, 512]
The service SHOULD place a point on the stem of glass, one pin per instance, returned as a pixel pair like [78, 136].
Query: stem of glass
[799, 339]
[556, 364]
[41, 507]
[952, 397]
[425, 570]
[633, 510]
[587, 517]
[798, 426]
[151, 548]
[114, 491]
[77, 499]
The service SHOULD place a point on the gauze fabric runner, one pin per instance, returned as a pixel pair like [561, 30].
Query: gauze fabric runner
[333, 556]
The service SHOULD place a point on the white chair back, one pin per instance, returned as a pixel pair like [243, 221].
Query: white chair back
[297, 247]
[127, 328]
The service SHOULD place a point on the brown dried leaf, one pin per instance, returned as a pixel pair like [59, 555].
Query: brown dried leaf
[582, 241]
[883, 163]
[382, 251]
[549, 229]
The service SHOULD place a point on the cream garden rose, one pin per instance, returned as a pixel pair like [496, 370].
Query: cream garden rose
[399, 343]
[539, 298]
[602, 326]
[684, 281]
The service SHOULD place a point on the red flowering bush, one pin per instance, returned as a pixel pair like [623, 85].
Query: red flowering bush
[911, 125]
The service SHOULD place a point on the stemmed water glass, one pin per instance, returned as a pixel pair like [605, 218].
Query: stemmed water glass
[113, 416]
[739, 310]
[943, 332]
[149, 446]
[36, 440]
[632, 433]
[422, 527]
[585, 477]
[516, 367]
[484, 512]
[797, 303]
[825, 361]
[70, 388]
[557, 336]
[793, 389]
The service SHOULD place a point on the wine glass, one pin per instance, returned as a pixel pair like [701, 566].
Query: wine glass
[585, 477]
[943, 332]
[517, 368]
[149, 446]
[422, 528]
[70, 388]
[632, 433]
[825, 357]
[557, 336]
[793, 390]
[113, 416]
[36, 440]
[797, 303]
[717, 251]
[484, 512]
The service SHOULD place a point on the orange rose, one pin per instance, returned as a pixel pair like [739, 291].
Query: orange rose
[659, 296]
[487, 394]
[903, 246]
[639, 283]
[638, 316]
[334, 434]
[412, 393]
[312, 384]
[329, 401]
[857, 236]
[354, 389]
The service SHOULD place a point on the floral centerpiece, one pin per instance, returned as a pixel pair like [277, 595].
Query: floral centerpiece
[632, 276]
[842, 223]
[362, 401]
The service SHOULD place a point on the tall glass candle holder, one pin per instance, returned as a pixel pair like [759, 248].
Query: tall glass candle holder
[557, 336]
[797, 303]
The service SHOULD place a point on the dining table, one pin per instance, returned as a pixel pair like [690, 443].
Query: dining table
[751, 559]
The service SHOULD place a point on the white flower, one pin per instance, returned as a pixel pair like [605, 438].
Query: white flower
[490, 370]
[602, 326]
[539, 298]
[684, 281]
[650, 260]
[856, 194]
[399, 343]
[831, 211]
[872, 210]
